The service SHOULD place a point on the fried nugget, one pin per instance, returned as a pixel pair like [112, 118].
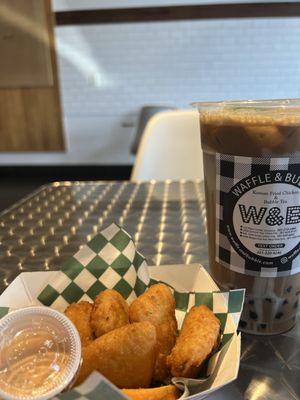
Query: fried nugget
[110, 311]
[125, 356]
[157, 305]
[160, 393]
[79, 314]
[198, 338]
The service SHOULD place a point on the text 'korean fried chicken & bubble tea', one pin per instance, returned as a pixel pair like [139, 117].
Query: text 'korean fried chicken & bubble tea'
[251, 153]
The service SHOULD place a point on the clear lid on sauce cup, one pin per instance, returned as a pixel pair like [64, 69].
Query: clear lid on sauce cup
[40, 353]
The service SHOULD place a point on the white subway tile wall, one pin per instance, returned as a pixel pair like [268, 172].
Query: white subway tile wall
[109, 71]
[114, 69]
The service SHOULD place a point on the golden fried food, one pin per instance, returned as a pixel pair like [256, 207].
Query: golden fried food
[157, 305]
[125, 356]
[79, 314]
[198, 338]
[110, 311]
[161, 393]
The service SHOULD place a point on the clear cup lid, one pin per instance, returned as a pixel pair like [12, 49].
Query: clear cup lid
[40, 353]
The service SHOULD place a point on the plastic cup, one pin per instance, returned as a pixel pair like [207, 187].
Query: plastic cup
[40, 353]
[251, 156]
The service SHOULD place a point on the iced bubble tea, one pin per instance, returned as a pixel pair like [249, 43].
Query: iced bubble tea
[251, 155]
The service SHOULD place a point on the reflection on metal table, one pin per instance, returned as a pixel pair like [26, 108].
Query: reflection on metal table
[167, 221]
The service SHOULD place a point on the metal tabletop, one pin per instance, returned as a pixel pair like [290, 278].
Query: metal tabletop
[167, 221]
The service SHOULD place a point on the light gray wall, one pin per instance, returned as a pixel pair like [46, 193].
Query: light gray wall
[108, 72]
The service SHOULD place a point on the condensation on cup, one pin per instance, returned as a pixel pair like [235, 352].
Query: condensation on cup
[251, 153]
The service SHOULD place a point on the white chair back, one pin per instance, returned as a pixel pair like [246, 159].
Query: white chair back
[170, 148]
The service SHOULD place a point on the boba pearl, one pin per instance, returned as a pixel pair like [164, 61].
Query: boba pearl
[253, 315]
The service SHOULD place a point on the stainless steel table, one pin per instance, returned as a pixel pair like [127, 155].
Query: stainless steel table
[167, 221]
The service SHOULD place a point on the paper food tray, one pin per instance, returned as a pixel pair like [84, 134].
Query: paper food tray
[110, 260]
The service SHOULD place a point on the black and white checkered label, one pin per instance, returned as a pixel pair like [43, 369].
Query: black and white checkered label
[258, 215]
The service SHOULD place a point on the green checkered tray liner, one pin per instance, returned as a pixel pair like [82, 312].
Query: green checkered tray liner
[110, 261]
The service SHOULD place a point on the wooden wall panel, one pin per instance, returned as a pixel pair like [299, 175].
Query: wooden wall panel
[24, 40]
[30, 118]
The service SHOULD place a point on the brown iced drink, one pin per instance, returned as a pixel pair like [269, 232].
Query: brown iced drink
[251, 156]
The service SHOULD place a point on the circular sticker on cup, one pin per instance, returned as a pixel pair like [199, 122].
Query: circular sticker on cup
[259, 216]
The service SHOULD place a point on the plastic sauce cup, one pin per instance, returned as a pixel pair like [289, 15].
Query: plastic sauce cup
[40, 354]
